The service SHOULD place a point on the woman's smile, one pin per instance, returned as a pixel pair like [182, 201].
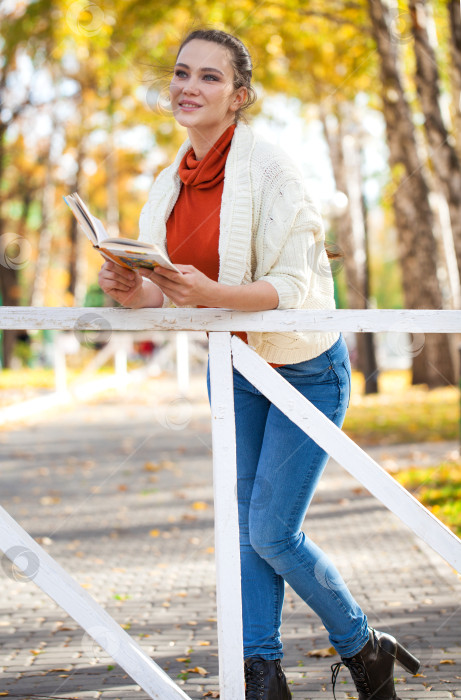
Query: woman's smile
[189, 106]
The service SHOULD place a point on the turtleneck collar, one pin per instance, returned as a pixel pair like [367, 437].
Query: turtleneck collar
[208, 172]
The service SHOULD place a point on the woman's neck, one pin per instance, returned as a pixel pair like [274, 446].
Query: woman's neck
[202, 141]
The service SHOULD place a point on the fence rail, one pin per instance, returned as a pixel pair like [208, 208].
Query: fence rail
[117, 319]
[225, 351]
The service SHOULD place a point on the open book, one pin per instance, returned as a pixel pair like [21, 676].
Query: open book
[124, 251]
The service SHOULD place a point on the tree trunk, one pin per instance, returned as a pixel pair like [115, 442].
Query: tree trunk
[44, 241]
[350, 234]
[443, 156]
[76, 286]
[369, 353]
[455, 27]
[113, 228]
[430, 355]
[7, 276]
[14, 250]
[9, 288]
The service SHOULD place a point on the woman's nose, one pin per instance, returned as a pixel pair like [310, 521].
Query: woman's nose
[192, 85]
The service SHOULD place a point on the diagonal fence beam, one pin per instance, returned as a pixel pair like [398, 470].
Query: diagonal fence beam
[344, 450]
[228, 581]
[38, 566]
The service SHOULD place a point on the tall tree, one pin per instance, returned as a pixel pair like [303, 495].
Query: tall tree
[351, 235]
[21, 27]
[413, 214]
[447, 167]
[454, 11]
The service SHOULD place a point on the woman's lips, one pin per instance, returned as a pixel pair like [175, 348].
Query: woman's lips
[189, 107]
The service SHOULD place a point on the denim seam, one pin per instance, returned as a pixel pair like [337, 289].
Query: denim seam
[348, 382]
[332, 367]
[276, 608]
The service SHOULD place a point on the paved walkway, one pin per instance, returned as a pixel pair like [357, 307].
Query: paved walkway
[119, 492]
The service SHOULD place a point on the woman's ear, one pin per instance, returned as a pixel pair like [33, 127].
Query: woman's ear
[239, 98]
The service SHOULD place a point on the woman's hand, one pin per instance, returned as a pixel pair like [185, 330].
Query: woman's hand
[190, 288]
[122, 284]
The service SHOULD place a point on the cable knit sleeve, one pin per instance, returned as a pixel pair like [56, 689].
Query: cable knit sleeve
[289, 239]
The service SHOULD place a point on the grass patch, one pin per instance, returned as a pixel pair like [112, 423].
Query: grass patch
[439, 489]
[401, 412]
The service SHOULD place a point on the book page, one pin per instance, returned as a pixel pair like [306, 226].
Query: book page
[85, 223]
[132, 242]
[101, 232]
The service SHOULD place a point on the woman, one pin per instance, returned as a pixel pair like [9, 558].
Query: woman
[233, 214]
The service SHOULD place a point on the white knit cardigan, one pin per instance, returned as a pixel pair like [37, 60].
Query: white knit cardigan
[269, 230]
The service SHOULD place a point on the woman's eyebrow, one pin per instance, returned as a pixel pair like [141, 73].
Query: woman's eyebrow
[184, 65]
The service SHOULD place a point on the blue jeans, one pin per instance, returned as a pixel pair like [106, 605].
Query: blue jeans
[278, 469]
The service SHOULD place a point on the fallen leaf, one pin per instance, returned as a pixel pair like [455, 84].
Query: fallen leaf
[198, 669]
[199, 505]
[49, 500]
[154, 533]
[204, 643]
[326, 651]
[211, 694]
[151, 467]
[44, 540]
[183, 659]
[446, 661]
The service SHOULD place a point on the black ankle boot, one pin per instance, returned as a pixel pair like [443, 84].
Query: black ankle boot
[372, 668]
[265, 680]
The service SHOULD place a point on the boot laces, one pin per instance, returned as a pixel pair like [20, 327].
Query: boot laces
[357, 671]
[254, 682]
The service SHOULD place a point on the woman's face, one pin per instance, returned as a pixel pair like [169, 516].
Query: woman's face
[202, 92]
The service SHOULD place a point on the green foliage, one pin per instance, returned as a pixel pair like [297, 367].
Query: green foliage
[439, 489]
[94, 296]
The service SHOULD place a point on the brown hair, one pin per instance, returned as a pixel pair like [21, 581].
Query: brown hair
[240, 59]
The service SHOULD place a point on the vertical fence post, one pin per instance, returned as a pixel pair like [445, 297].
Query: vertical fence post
[228, 580]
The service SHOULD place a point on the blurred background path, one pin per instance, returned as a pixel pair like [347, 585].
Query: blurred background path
[119, 492]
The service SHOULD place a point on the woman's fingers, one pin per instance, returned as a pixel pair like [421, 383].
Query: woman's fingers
[116, 277]
[164, 272]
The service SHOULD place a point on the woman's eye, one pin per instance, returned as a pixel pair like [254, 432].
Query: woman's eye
[182, 74]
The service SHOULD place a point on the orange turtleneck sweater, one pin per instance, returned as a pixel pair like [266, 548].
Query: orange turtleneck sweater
[193, 225]
[192, 229]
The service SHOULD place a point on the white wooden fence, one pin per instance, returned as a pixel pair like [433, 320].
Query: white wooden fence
[226, 350]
